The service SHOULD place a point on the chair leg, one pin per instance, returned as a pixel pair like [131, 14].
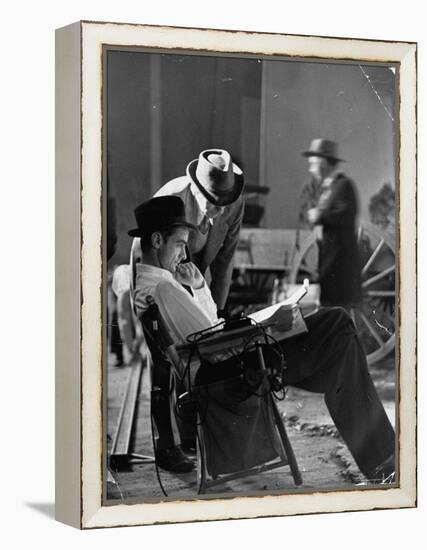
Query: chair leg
[201, 460]
[286, 444]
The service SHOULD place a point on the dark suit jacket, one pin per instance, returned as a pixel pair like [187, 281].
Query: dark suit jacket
[339, 263]
[218, 252]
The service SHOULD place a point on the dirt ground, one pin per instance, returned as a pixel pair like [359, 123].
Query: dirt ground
[323, 459]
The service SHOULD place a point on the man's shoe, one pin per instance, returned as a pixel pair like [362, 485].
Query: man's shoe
[173, 459]
[189, 445]
[385, 472]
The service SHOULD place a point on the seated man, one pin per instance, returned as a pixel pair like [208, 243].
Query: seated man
[327, 359]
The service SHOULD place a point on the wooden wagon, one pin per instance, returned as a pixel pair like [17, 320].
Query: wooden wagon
[290, 255]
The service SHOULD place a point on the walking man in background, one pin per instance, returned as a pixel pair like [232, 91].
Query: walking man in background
[334, 219]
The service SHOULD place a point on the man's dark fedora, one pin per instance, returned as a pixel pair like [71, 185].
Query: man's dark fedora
[216, 176]
[324, 148]
[159, 214]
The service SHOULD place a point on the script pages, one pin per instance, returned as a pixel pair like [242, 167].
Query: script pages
[298, 324]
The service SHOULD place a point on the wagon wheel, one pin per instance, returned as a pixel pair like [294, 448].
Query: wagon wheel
[375, 317]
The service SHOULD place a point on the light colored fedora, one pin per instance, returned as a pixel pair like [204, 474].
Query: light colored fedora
[216, 176]
[323, 148]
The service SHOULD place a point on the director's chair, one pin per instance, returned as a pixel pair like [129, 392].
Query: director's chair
[240, 431]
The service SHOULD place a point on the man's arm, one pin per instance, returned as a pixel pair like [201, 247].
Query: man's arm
[222, 267]
[341, 209]
[182, 313]
[188, 274]
[309, 198]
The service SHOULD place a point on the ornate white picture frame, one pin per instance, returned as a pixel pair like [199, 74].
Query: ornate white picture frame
[80, 263]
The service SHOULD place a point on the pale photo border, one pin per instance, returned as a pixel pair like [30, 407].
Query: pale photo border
[93, 37]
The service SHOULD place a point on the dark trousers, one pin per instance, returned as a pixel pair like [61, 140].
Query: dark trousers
[329, 359]
[161, 404]
[172, 428]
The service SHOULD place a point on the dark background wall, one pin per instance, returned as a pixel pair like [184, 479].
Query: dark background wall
[350, 104]
[163, 109]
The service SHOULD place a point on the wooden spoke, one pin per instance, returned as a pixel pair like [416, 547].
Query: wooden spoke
[373, 256]
[371, 329]
[311, 273]
[359, 234]
[381, 293]
[309, 270]
[378, 276]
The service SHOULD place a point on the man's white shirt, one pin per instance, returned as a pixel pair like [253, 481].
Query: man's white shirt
[182, 312]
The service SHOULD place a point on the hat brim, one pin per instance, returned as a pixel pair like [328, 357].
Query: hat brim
[317, 154]
[139, 233]
[219, 199]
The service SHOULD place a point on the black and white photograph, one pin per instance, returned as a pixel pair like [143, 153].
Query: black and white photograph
[250, 275]
[213, 271]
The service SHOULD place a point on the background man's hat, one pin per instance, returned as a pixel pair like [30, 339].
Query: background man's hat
[159, 214]
[323, 148]
[216, 176]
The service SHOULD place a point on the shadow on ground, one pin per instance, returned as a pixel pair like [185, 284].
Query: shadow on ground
[45, 508]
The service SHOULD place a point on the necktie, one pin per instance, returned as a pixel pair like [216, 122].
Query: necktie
[204, 225]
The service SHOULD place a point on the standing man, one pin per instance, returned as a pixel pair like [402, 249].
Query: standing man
[211, 191]
[334, 219]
